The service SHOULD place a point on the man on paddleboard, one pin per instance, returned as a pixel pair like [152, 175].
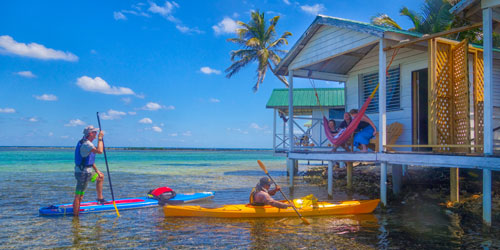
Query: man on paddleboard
[84, 163]
[261, 195]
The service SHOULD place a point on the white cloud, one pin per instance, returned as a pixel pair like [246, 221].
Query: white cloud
[173, 134]
[119, 16]
[214, 100]
[136, 13]
[256, 126]
[169, 107]
[286, 2]
[50, 134]
[93, 51]
[145, 121]
[112, 115]
[152, 106]
[186, 29]
[226, 26]
[100, 86]
[27, 74]
[126, 100]
[313, 9]
[208, 71]
[75, 122]
[165, 10]
[46, 97]
[157, 129]
[33, 50]
[64, 136]
[187, 133]
[33, 119]
[7, 110]
[132, 113]
[238, 130]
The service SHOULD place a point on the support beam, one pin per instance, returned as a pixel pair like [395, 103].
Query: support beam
[382, 96]
[320, 75]
[274, 130]
[290, 124]
[383, 183]
[487, 197]
[397, 177]
[454, 185]
[439, 34]
[488, 81]
[330, 179]
[349, 175]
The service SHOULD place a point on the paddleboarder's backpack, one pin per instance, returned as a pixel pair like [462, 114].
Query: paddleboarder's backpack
[162, 194]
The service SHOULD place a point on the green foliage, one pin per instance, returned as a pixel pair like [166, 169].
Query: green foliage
[256, 39]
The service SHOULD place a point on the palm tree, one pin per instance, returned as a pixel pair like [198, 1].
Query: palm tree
[258, 45]
[434, 17]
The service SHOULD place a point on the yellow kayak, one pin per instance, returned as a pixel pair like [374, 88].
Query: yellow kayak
[250, 211]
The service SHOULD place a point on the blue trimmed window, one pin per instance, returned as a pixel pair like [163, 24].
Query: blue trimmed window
[393, 93]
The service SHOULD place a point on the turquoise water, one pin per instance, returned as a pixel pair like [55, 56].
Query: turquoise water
[32, 178]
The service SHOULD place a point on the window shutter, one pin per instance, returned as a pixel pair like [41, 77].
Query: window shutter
[393, 93]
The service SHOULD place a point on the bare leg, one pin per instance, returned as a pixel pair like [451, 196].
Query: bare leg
[363, 148]
[76, 204]
[98, 187]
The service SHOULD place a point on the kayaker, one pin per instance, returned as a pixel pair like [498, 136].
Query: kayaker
[84, 163]
[261, 195]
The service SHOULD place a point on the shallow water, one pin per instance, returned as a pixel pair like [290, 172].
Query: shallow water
[30, 179]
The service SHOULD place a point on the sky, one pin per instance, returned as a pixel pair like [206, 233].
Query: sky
[153, 69]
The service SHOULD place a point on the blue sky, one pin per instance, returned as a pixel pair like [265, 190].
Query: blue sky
[154, 69]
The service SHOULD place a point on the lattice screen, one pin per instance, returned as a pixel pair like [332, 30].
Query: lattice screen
[460, 84]
[478, 100]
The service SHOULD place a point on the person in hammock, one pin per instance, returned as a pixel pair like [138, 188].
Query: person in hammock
[366, 130]
[331, 126]
[343, 125]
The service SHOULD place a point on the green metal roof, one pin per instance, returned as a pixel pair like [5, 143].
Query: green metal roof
[328, 97]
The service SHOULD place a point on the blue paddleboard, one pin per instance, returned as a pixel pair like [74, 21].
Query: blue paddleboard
[121, 204]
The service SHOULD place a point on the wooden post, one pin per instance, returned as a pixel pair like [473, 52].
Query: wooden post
[382, 96]
[454, 185]
[349, 175]
[383, 183]
[290, 124]
[274, 131]
[330, 179]
[487, 197]
[488, 109]
[397, 176]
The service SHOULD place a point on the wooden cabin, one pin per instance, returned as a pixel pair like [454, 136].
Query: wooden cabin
[434, 86]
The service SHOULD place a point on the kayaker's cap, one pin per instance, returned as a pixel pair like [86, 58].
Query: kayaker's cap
[265, 181]
[89, 129]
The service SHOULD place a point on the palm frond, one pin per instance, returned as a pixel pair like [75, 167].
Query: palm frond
[385, 20]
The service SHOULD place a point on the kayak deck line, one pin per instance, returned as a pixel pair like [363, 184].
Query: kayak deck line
[250, 211]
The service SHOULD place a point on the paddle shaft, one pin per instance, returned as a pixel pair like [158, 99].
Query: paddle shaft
[106, 160]
[284, 196]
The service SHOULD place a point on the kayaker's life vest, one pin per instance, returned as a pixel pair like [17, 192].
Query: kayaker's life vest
[83, 162]
[162, 194]
[252, 199]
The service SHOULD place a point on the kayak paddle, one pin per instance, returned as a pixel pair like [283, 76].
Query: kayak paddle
[107, 168]
[291, 202]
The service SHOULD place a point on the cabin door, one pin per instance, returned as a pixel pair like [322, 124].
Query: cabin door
[420, 107]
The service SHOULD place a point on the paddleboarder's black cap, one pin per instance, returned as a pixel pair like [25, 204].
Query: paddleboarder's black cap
[265, 181]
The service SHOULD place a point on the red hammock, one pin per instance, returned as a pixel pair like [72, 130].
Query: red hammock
[342, 138]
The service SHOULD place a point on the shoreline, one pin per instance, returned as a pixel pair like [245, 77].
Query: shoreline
[141, 148]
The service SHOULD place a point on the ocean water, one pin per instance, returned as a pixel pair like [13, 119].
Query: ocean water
[32, 178]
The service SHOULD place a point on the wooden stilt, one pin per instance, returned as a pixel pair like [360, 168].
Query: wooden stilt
[454, 184]
[383, 183]
[397, 176]
[330, 179]
[349, 175]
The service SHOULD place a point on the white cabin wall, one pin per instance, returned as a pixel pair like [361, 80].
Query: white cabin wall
[408, 60]
[329, 41]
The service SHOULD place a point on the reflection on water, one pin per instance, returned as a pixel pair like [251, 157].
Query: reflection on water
[31, 179]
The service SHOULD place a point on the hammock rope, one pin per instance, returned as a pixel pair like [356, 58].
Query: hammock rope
[342, 138]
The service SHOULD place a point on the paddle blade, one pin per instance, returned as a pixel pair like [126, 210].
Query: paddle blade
[117, 213]
[262, 166]
[305, 221]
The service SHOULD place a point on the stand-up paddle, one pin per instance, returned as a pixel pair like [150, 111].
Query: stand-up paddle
[107, 168]
[291, 202]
